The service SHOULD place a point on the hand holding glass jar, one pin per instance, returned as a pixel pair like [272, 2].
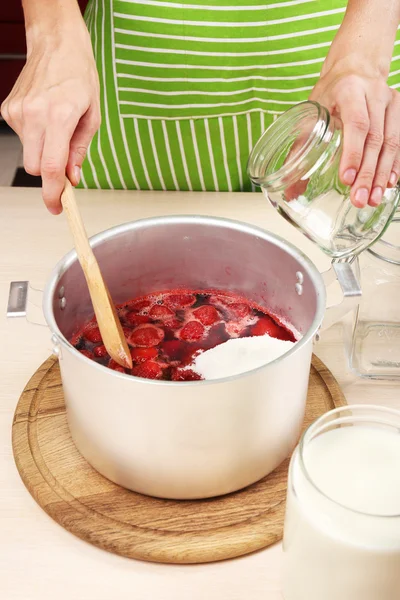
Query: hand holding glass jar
[296, 162]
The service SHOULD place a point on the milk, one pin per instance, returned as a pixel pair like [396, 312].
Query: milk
[333, 552]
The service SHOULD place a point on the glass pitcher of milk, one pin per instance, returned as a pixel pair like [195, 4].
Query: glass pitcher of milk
[342, 526]
[296, 163]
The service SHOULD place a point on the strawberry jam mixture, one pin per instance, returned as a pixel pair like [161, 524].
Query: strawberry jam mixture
[165, 331]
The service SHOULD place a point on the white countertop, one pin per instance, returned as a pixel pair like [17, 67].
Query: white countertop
[38, 559]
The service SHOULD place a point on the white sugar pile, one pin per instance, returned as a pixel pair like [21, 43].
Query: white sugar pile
[239, 355]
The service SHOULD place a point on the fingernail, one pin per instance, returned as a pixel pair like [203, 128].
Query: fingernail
[362, 196]
[77, 174]
[349, 176]
[376, 196]
[393, 178]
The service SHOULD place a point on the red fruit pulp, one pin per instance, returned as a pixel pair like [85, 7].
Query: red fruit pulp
[146, 336]
[192, 331]
[140, 355]
[148, 370]
[100, 351]
[134, 319]
[207, 315]
[165, 331]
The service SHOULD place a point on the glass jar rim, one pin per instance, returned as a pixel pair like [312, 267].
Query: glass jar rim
[324, 422]
[270, 143]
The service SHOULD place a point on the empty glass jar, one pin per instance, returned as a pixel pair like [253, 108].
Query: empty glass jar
[373, 330]
[296, 163]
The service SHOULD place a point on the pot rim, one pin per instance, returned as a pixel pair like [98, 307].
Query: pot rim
[304, 263]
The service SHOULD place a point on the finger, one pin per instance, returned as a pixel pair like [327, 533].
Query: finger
[83, 134]
[11, 111]
[58, 135]
[395, 174]
[388, 153]
[354, 115]
[361, 190]
[34, 117]
[4, 111]
[33, 139]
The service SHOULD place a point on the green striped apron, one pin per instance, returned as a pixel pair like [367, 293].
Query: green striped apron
[188, 88]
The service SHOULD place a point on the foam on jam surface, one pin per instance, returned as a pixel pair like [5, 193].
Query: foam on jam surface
[165, 331]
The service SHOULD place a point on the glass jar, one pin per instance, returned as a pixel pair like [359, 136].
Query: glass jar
[373, 329]
[296, 163]
[342, 526]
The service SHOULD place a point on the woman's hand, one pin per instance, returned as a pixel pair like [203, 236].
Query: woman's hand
[54, 105]
[353, 87]
[370, 113]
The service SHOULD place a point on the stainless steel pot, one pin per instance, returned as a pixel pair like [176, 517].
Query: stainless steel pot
[187, 439]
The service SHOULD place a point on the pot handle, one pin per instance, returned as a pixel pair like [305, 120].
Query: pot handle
[351, 290]
[19, 297]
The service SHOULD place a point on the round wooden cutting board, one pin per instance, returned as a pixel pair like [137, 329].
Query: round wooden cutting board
[115, 519]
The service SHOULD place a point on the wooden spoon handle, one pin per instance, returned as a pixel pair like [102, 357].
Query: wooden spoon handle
[106, 315]
[72, 212]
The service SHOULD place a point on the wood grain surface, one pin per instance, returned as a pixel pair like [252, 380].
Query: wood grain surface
[136, 526]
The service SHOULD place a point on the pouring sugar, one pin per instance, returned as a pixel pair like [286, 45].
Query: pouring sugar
[239, 355]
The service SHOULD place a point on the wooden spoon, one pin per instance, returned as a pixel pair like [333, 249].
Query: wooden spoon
[106, 315]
